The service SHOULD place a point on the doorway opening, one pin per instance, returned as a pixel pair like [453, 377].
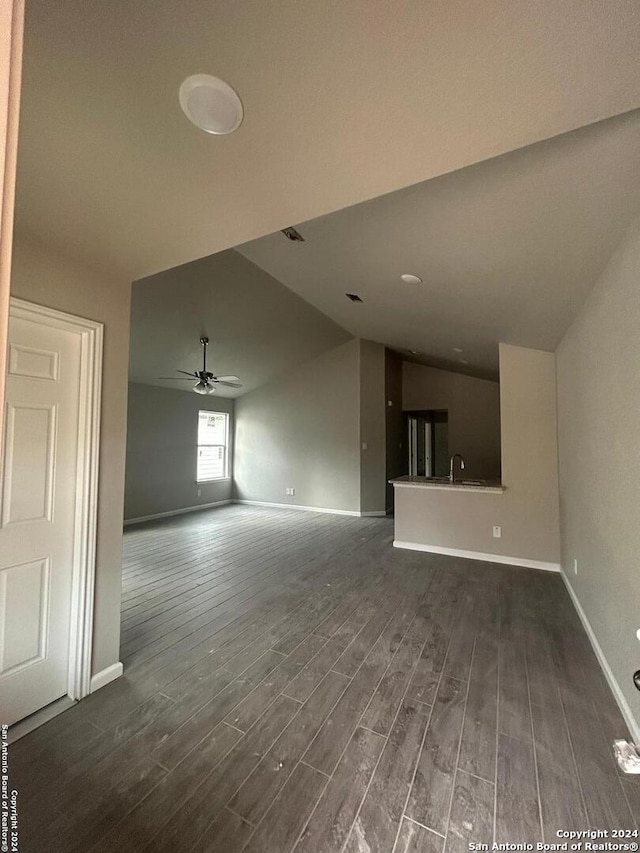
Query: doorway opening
[428, 443]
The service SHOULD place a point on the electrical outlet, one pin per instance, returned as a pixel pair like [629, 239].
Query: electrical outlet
[497, 532]
[389, 403]
[365, 446]
[292, 491]
[199, 493]
[575, 565]
[289, 490]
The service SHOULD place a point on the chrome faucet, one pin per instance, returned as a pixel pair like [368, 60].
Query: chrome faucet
[452, 478]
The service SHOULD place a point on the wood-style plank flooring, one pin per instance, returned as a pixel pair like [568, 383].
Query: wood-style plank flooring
[293, 683]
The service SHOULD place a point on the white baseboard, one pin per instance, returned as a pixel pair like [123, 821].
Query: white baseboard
[105, 676]
[627, 713]
[478, 555]
[142, 518]
[300, 508]
[379, 513]
[39, 718]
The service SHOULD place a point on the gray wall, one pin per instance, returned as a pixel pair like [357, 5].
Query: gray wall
[303, 430]
[527, 511]
[45, 276]
[258, 328]
[162, 441]
[397, 463]
[474, 413]
[598, 365]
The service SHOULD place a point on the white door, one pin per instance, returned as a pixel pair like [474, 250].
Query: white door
[37, 515]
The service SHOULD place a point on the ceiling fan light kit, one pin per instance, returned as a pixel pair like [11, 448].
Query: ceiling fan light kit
[202, 387]
[205, 380]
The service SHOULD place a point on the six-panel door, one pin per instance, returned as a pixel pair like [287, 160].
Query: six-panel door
[37, 515]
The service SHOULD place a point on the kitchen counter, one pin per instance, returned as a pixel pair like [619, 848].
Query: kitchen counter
[493, 487]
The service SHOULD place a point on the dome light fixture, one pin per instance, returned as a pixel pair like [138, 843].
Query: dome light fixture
[211, 104]
[410, 278]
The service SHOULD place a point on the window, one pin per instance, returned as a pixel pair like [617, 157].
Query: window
[213, 446]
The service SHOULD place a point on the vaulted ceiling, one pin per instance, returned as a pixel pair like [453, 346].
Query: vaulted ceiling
[257, 327]
[344, 101]
[507, 249]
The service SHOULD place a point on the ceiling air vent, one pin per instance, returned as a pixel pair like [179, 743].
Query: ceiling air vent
[353, 297]
[291, 234]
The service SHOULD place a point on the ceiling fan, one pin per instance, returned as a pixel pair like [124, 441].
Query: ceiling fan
[205, 380]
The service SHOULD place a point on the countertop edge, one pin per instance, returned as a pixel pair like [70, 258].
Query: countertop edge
[451, 487]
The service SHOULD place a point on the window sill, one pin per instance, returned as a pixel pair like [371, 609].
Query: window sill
[213, 480]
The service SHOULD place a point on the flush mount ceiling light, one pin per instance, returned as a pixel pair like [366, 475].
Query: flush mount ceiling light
[409, 278]
[211, 104]
[457, 349]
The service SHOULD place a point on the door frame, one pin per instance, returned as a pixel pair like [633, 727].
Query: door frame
[11, 38]
[86, 509]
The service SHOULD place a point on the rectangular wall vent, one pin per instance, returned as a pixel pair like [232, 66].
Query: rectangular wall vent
[291, 234]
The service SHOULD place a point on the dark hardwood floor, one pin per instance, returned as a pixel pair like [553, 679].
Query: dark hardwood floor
[293, 683]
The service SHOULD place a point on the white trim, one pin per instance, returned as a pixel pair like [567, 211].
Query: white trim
[86, 510]
[627, 713]
[300, 508]
[105, 676]
[378, 513]
[478, 555]
[142, 518]
[39, 718]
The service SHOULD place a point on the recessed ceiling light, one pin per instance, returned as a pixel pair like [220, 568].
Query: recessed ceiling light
[413, 352]
[457, 349]
[409, 278]
[463, 361]
[211, 104]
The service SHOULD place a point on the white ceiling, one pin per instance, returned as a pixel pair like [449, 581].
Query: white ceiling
[507, 249]
[256, 326]
[343, 101]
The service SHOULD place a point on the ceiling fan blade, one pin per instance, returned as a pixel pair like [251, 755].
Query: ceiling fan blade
[186, 373]
[229, 384]
[179, 378]
[227, 378]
